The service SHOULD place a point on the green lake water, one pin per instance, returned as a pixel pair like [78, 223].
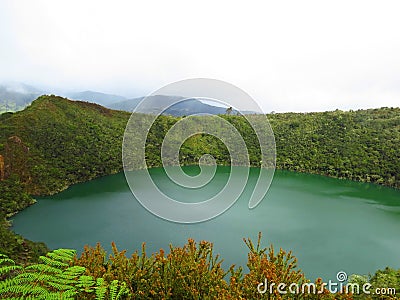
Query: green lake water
[330, 225]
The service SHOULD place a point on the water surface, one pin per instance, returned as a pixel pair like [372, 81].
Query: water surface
[330, 225]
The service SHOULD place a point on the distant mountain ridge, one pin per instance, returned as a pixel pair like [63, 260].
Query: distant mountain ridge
[96, 97]
[182, 108]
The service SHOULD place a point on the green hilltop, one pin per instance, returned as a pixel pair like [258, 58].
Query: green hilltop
[68, 142]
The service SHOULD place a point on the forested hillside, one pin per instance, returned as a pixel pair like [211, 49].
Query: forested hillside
[359, 145]
[56, 142]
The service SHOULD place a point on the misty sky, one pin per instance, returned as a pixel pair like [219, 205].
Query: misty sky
[288, 55]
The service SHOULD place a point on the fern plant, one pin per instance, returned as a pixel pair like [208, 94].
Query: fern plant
[54, 278]
[7, 266]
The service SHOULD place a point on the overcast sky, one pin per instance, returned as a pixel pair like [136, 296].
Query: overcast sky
[288, 55]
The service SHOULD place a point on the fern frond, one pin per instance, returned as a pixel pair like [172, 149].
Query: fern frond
[69, 294]
[86, 283]
[5, 284]
[101, 289]
[59, 286]
[123, 290]
[36, 277]
[113, 289]
[44, 268]
[51, 279]
[59, 295]
[64, 255]
[53, 262]
[7, 269]
[25, 289]
[74, 271]
[4, 259]
[20, 298]
[7, 265]
[117, 291]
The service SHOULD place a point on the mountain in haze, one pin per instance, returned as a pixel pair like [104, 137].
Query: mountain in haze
[187, 107]
[126, 105]
[96, 97]
[16, 96]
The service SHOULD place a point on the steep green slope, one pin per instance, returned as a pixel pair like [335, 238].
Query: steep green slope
[56, 142]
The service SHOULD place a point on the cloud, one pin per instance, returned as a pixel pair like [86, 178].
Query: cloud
[290, 55]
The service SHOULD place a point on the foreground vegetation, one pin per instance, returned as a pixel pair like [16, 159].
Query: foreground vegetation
[189, 272]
